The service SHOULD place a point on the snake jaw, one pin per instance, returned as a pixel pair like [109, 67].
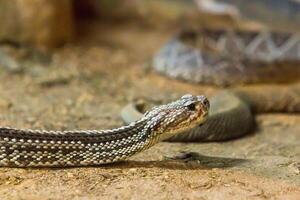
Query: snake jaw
[184, 114]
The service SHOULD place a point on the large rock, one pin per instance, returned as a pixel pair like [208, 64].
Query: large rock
[42, 23]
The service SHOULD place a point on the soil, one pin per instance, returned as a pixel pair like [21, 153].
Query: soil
[85, 85]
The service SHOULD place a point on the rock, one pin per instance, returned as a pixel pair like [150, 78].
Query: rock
[42, 23]
[9, 63]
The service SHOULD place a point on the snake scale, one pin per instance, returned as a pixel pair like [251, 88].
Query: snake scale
[38, 148]
[226, 58]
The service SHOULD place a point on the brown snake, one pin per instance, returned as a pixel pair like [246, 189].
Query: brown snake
[223, 57]
[36, 148]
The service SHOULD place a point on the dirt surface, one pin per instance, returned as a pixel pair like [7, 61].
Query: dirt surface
[85, 86]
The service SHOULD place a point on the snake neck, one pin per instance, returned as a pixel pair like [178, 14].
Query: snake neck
[35, 148]
[271, 98]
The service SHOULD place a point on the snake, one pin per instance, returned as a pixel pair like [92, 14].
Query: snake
[230, 58]
[42, 148]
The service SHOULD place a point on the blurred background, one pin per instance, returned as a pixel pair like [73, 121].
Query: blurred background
[52, 23]
[73, 64]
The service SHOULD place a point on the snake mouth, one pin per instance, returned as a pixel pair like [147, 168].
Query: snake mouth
[205, 116]
[197, 119]
[201, 119]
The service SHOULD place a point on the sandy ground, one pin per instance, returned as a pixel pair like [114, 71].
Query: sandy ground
[86, 85]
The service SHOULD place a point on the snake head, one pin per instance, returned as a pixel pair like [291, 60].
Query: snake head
[176, 117]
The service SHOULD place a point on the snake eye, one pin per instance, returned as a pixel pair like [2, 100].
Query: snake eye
[191, 107]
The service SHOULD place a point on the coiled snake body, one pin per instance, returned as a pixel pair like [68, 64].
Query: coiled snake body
[226, 58]
[230, 57]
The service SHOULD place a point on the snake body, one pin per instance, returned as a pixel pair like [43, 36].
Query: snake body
[226, 58]
[232, 112]
[36, 148]
[230, 57]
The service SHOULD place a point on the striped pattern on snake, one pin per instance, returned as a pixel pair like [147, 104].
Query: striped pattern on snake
[37, 148]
